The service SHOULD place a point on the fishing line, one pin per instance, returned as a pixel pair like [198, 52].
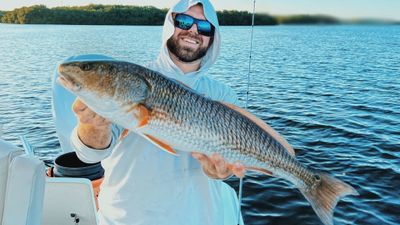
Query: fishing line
[247, 103]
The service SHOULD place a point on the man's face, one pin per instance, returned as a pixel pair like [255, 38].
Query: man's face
[189, 45]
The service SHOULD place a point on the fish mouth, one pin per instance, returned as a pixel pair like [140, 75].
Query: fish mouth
[67, 80]
[68, 83]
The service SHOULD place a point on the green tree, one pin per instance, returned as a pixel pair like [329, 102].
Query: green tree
[307, 19]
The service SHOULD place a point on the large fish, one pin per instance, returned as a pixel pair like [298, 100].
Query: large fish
[174, 117]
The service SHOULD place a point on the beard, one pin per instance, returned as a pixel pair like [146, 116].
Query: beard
[186, 54]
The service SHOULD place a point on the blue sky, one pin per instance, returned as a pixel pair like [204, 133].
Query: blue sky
[382, 9]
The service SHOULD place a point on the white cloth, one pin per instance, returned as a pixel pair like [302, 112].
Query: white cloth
[142, 184]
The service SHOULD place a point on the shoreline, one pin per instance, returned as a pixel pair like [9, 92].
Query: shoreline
[152, 16]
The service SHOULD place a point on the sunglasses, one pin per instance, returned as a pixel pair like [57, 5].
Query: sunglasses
[185, 22]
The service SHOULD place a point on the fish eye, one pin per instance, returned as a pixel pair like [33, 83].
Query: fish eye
[86, 67]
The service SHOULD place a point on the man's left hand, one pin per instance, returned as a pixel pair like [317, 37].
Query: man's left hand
[216, 167]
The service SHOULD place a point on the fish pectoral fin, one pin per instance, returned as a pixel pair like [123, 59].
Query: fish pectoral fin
[263, 125]
[264, 171]
[124, 133]
[161, 144]
[142, 114]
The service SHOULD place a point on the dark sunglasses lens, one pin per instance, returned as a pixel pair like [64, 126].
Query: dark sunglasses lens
[183, 22]
[205, 28]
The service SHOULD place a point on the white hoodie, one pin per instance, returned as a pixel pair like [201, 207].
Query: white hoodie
[142, 184]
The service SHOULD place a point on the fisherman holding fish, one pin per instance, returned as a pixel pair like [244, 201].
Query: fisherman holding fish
[176, 108]
[143, 185]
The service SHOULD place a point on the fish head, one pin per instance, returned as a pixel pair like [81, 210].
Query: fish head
[104, 85]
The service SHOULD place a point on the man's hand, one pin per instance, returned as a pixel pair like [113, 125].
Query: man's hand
[87, 116]
[93, 130]
[217, 168]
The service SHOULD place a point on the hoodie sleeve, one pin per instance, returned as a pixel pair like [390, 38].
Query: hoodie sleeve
[90, 155]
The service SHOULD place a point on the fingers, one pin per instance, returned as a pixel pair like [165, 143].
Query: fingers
[238, 170]
[88, 116]
[206, 163]
[221, 167]
[78, 106]
[216, 167]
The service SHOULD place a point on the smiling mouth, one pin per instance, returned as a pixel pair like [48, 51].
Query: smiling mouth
[190, 41]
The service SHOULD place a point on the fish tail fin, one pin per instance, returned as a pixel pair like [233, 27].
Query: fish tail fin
[324, 196]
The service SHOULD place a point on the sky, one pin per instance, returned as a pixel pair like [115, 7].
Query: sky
[345, 9]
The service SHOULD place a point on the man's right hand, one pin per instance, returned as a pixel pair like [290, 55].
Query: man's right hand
[93, 130]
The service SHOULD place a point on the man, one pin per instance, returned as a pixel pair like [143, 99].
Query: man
[143, 185]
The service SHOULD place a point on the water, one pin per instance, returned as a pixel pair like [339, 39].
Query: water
[332, 91]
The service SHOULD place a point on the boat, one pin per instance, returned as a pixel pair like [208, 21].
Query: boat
[28, 196]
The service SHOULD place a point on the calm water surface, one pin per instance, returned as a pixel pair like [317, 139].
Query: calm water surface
[332, 91]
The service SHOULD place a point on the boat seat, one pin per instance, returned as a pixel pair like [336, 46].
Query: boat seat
[22, 183]
[69, 201]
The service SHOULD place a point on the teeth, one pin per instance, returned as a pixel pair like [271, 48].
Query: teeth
[190, 41]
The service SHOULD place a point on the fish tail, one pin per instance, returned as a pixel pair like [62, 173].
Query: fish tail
[325, 194]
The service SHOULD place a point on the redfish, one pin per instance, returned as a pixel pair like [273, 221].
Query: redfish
[176, 118]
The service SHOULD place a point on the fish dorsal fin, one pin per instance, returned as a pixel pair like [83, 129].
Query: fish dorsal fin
[160, 144]
[263, 125]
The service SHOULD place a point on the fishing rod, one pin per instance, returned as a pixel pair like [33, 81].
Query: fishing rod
[246, 106]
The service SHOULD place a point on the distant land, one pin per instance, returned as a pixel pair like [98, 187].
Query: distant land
[149, 15]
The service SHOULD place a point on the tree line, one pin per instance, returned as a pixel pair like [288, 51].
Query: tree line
[91, 14]
[138, 15]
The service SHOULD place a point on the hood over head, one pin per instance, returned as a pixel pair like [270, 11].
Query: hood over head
[164, 64]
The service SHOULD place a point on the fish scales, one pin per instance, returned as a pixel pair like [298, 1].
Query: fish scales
[185, 108]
